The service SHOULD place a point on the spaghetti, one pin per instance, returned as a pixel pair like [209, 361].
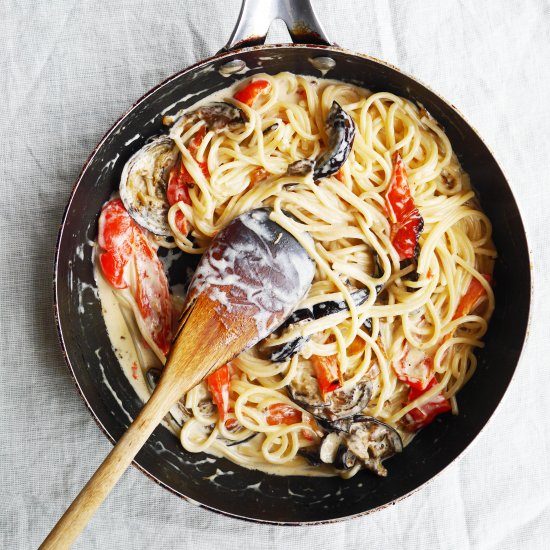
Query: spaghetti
[401, 296]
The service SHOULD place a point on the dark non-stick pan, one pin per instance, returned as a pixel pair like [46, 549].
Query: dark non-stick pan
[251, 494]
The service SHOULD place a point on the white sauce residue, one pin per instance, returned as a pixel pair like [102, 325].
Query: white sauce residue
[82, 287]
[106, 382]
[112, 162]
[322, 64]
[131, 140]
[79, 252]
[219, 473]
[237, 66]
[121, 338]
[182, 100]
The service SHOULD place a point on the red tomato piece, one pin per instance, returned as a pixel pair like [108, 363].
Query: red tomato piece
[420, 417]
[313, 434]
[181, 223]
[116, 235]
[180, 180]
[257, 175]
[407, 223]
[152, 294]
[178, 184]
[231, 424]
[327, 373]
[177, 191]
[218, 385]
[251, 91]
[356, 346]
[279, 413]
[414, 368]
[193, 146]
[469, 300]
[124, 244]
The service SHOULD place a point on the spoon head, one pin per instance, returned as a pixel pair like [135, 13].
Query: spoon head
[256, 270]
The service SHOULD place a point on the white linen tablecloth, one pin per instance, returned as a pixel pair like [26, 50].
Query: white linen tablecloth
[67, 71]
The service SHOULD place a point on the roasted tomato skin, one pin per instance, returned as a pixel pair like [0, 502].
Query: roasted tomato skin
[327, 372]
[280, 413]
[218, 385]
[124, 246]
[251, 91]
[407, 223]
[422, 416]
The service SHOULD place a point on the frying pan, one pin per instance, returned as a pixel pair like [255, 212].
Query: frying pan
[218, 484]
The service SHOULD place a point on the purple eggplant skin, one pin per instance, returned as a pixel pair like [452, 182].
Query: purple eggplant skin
[233, 443]
[341, 404]
[368, 439]
[303, 314]
[345, 425]
[300, 168]
[218, 115]
[269, 129]
[345, 459]
[341, 133]
[328, 308]
[287, 350]
[153, 376]
[356, 439]
[312, 456]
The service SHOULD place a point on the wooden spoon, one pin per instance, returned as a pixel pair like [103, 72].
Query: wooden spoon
[247, 283]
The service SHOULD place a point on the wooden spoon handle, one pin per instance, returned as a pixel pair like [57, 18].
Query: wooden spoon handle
[106, 476]
[202, 342]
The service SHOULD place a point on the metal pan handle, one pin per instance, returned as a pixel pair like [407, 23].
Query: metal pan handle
[256, 17]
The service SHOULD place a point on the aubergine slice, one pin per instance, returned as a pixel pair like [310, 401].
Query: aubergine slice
[361, 439]
[346, 402]
[330, 307]
[340, 404]
[345, 459]
[285, 351]
[304, 391]
[270, 129]
[217, 116]
[144, 181]
[341, 133]
[237, 429]
[329, 447]
[311, 455]
[370, 440]
[288, 349]
[300, 167]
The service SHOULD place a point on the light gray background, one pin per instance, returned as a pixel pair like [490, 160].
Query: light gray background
[67, 71]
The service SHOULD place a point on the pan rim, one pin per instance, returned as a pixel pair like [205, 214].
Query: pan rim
[88, 162]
